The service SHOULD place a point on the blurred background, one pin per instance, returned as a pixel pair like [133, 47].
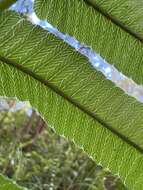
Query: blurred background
[35, 157]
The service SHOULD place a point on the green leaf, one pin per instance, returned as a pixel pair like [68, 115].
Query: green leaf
[7, 184]
[73, 98]
[4, 4]
[128, 14]
[88, 22]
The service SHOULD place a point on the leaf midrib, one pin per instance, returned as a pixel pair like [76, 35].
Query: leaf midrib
[115, 20]
[70, 100]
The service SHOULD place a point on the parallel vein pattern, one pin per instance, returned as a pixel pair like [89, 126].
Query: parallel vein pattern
[81, 20]
[36, 66]
[128, 14]
[109, 71]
